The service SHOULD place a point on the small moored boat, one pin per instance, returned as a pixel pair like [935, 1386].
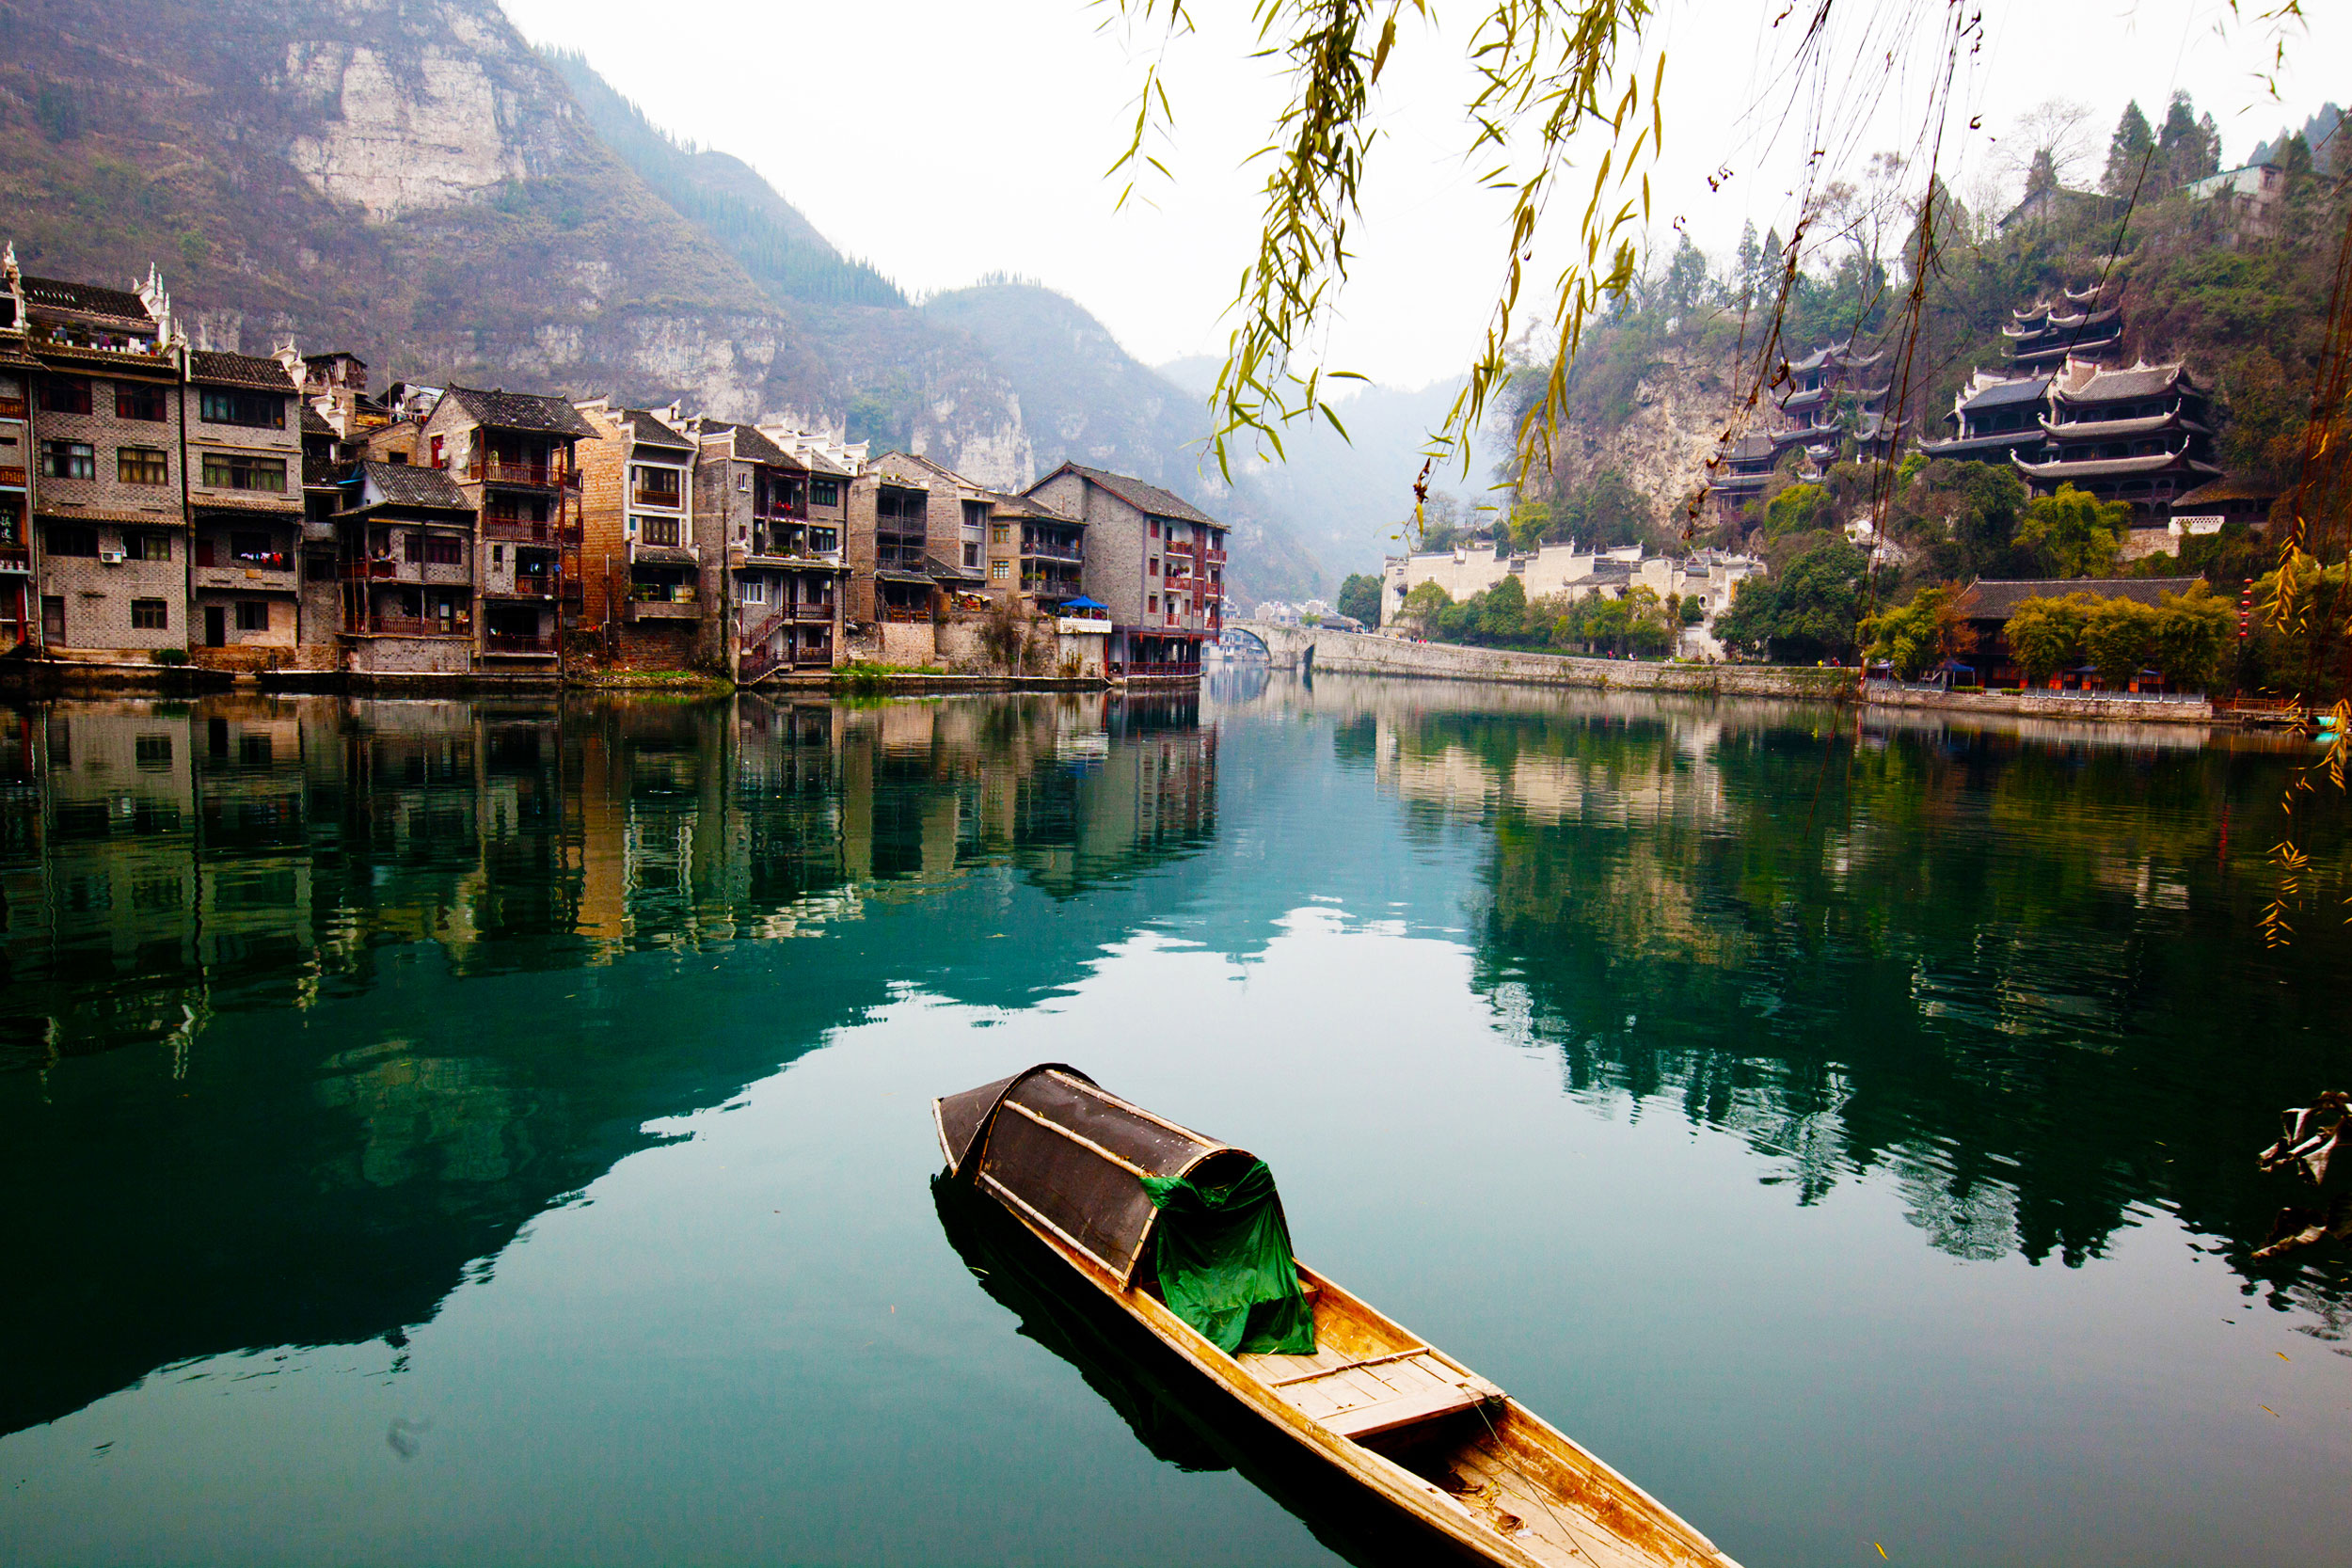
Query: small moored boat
[1187, 1237]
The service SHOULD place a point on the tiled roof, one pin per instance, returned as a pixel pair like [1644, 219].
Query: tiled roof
[2140, 381]
[2059, 470]
[2227, 490]
[942, 572]
[652, 432]
[1998, 599]
[1149, 498]
[414, 485]
[238, 370]
[2113, 430]
[522, 411]
[1002, 505]
[2031, 389]
[2000, 440]
[313, 424]
[88, 298]
[750, 445]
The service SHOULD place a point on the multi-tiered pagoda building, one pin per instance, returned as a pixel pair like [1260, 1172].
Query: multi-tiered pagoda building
[2076, 326]
[1827, 391]
[2142, 435]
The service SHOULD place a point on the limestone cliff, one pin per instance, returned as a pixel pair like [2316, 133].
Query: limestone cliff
[1658, 436]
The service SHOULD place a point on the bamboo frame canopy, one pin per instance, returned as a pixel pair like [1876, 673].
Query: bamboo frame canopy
[1054, 1144]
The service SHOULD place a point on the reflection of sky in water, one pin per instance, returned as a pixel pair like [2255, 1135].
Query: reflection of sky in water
[1718, 1115]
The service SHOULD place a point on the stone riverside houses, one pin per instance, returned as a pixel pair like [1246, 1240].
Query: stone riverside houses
[163, 502]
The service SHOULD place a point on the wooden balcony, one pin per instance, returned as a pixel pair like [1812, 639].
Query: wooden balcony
[817, 612]
[15, 558]
[517, 645]
[11, 478]
[1052, 552]
[672, 500]
[564, 532]
[527, 476]
[12, 408]
[636, 610]
[413, 626]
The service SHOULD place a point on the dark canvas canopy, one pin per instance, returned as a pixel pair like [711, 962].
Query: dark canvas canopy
[1054, 1145]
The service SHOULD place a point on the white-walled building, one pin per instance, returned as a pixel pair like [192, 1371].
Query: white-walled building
[1569, 570]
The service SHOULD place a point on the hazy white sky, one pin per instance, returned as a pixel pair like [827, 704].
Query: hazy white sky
[943, 139]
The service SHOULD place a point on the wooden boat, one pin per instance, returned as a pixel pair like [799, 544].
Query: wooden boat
[1424, 1435]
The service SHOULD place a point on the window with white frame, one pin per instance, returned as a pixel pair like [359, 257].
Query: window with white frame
[755, 591]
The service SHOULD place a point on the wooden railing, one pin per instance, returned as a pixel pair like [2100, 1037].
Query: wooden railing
[537, 476]
[812, 613]
[1152, 668]
[525, 531]
[415, 626]
[516, 643]
[674, 499]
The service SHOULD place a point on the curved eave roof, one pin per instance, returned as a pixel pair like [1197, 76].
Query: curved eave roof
[2115, 468]
[2106, 430]
[2006, 440]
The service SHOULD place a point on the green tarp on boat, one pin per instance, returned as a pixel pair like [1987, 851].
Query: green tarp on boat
[1224, 1260]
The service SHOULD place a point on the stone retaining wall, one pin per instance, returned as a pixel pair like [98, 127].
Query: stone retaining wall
[2049, 705]
[1355, 653]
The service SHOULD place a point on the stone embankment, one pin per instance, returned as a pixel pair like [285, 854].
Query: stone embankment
[1364, 653]
[2049, 705]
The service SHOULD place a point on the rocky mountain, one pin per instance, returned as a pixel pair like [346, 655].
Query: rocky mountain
[409, 180]
[1087, 399]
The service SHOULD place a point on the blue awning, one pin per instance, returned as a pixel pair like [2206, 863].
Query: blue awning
[1082, 602]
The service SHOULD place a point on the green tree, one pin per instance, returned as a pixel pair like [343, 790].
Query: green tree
[2071, 534]
[1819, 598]
[1799, 509]
[1426, 606]
[2119, 637]
[1961, 516]
[2046, 635]
[1911, 636]
[1360, 596]
[1691, 610]
[2127, 149]
[2192, 634]
[1502, 612]
[1745, 626]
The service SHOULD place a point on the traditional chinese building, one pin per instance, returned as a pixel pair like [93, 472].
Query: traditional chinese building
[18, 370]
[2140, 435]
[1155, 560]
[2078, 325]
[784, 604]
[653, 581]
[112, 554]
[1994, 417]
[244, 457]
[406, 549]
[514, 454]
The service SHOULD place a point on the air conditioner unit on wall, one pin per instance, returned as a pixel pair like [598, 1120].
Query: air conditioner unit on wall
[111, 558]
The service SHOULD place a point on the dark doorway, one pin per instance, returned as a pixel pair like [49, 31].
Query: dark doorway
[215, 625]
[53, 618]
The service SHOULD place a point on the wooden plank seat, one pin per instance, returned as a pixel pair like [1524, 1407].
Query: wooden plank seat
[1361, 1396]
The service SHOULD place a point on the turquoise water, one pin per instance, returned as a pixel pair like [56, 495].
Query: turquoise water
[498, 1132]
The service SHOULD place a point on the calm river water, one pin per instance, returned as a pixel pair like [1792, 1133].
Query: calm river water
[495, 1133]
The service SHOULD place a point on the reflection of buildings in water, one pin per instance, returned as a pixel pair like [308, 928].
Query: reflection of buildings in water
[159, 859]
